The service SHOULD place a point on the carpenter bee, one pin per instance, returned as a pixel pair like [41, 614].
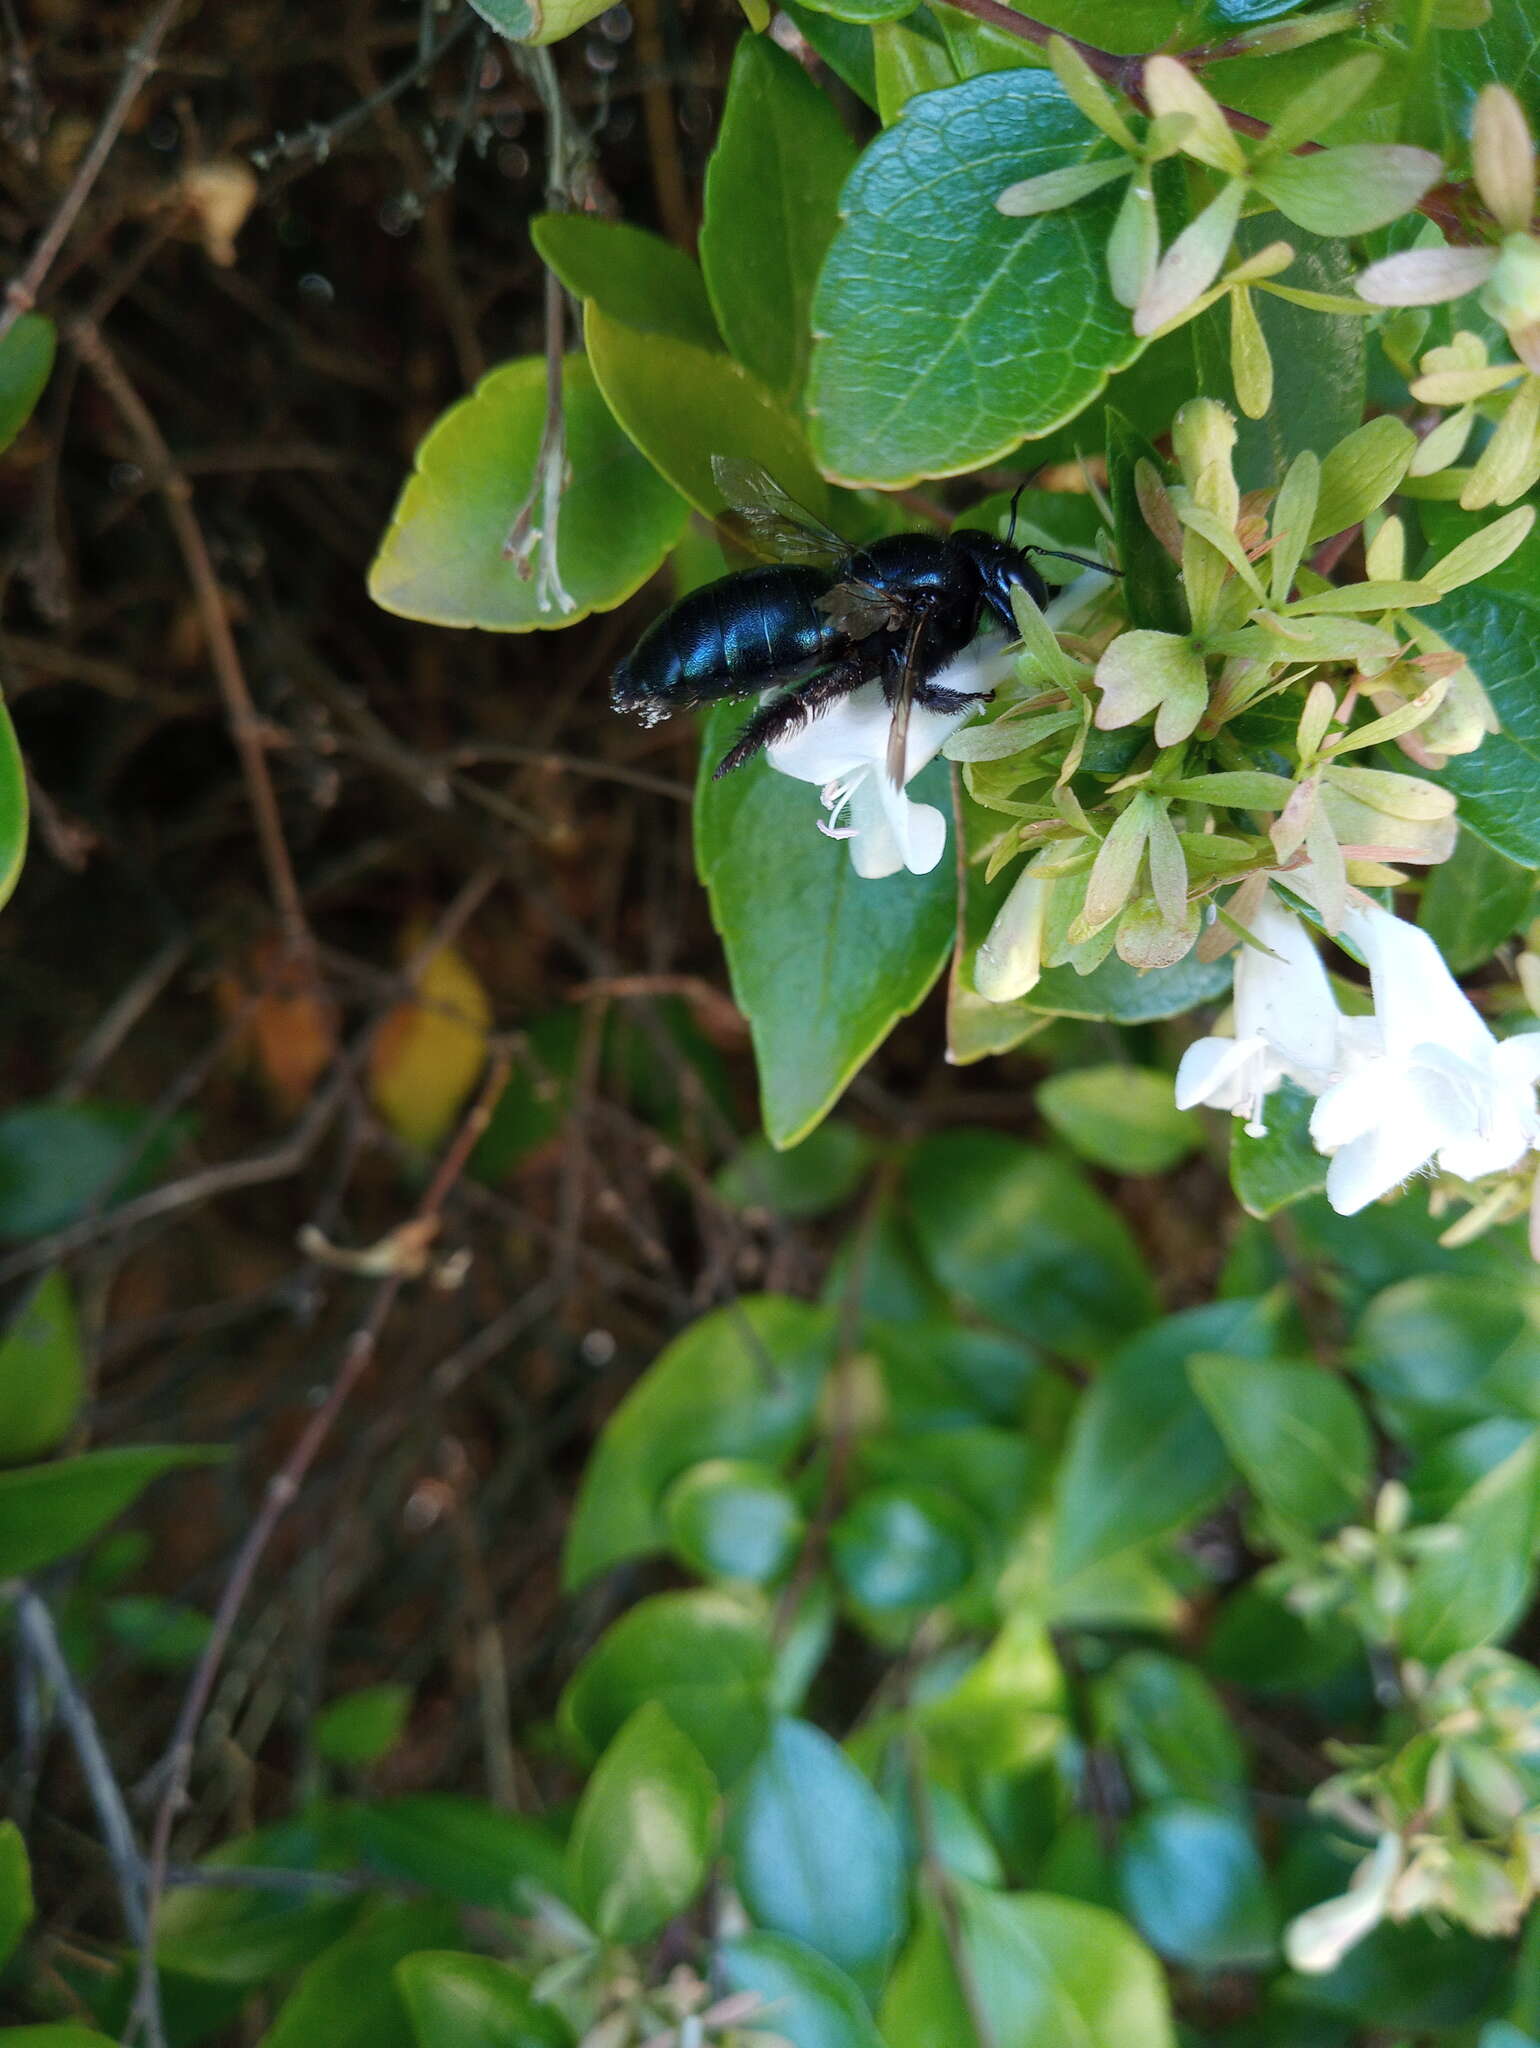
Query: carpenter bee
[822, 619]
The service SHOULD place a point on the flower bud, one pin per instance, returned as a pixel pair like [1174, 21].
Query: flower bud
[1512, 293]
[1010, 959]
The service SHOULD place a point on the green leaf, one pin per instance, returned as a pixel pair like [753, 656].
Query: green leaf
[240, 1937]
[703, 1656]
[1504, 47]
[537, 21]
[939, 1375]
[26, 358]
[46, 1511]
[902, 1547]
[816, 1854]
[1021, 1237]
[347, 1997]
[637, 277]
[1473, 901]
[728, 1519]
[945, 331]
[1120, 1117]
[823, 963]
[1360, 472]
[442, 556]
[13, 807]
[1297, 1435]
[41, 1374]
[464, 1848]
[1495, 624]
[1476, 1590]
[1047, 1972]
[16, 1907]
[641, 1838]
[1169, 1727]
[845, 46]
[59, 1159]
[1120, 994]
[1193, 1884]
[363, 1726]
[1440, 1352]
[1151, 587]
[804, 1998]
[63, 2035]
[682, 404]
[909, 57]
[1282, 1166]
[810, 1179]
[772, 202]
[1319, 359]
[740, 1383]
[1143, 1457]
[1349, 190]
[461, 2001]
[163, 1634]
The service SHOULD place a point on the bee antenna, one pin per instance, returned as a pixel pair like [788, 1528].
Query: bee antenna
[1010, 532]
[1085, 561]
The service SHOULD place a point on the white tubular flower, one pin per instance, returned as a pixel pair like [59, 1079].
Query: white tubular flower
[844, 752]
[1318, 1940]
[1434, 1085]
[1287, 1025]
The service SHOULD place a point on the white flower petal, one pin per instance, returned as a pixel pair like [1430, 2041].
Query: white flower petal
[1222, 1072]
[1318, 1940]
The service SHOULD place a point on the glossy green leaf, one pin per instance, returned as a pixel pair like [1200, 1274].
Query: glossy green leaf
[803, 1998]
[1143, 1458]
[810, 1179]
[1047, 1972]
[1193, 1884]
[704, 1657]
[1151, 587]
[1170, 1729]
[772, 201]
[1473, 901]
[1495, 624]
[910, 56]
[238, 1938]
[1120, 1117]
[1439, 1352]
[465, 1849]
[363, 1726]
[902, 1547]
[946, 332]
[1021, 1237]
[1120, 994]
[740, 1383]
[16, 1907]
[1319, 359]
[41, 1373]
[1281, 1167]
[460, 2001]
[641, 1838]
[1297, 1435]
[1476, 1590]
[442, 556]
[46, 1511]
[348, 1997]
[537, 21]
[14, 807]
[823, 963]
[1505, 47]
[26, 358]
[815, 1852]
[636, 276]
[728, 1519]
[59, 1159]
[942, 1376]
[682, 405]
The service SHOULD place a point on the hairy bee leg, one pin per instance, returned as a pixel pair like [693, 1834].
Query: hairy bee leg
[950, 700]
[789, 713]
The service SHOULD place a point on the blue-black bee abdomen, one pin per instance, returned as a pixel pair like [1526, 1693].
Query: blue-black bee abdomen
[731, 637]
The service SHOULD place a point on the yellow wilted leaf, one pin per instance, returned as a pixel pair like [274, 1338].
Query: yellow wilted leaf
[430, 1051]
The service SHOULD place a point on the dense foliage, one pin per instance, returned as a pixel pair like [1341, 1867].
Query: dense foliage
[1062, 1629]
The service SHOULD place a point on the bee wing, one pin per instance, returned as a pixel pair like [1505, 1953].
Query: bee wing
[903, 704]
[776, 525]
[857, 609]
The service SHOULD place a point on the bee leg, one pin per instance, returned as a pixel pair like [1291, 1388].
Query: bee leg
[950, 700]
[790, 712]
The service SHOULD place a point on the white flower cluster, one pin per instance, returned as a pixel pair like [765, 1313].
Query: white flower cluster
[1421, 1081]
